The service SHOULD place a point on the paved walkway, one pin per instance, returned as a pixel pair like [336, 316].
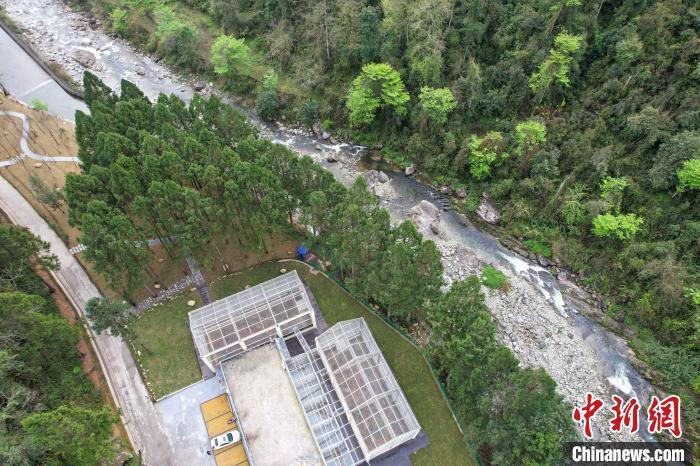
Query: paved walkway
[170, 292]
[151, 242]
[199, 279]
[24, 145]
[143, 423]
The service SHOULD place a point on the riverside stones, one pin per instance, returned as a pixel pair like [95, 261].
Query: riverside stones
[374, 176]
[488, 212]
[85, 58]
[426, 217]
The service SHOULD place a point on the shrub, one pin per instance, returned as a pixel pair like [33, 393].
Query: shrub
[177, 40]
[494, 278]
[622, 226]
[379, 86]
[230, 56]
[267, 104]
[437, 103]
[119, 19]
[309, 112]
[543, 249]
[39, 105]
[689, 175]
[485, 153]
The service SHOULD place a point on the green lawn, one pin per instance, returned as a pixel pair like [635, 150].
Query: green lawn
[446, 445]
[165, 345]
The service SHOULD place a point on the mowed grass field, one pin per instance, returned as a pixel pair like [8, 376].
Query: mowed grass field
[164, 348]
[446, 446]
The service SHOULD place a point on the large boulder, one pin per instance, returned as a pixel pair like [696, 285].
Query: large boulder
[85, 58]
[410, 170]
[446, 190]
[316, 128]
[488, 212]
[374, 176]
[378, 183]
[426, 217]
[199, 85]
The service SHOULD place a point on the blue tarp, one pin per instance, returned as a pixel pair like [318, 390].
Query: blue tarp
[302, 252]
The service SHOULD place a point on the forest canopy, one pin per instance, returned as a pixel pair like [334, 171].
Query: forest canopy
[551, 98]
[50, 412]
[199, 173]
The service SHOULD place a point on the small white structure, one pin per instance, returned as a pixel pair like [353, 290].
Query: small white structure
[230, 326]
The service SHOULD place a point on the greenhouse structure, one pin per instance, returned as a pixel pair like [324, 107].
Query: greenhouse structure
[230, 326]
[352, 401]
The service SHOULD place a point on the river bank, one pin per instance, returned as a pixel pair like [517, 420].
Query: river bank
[542, 326]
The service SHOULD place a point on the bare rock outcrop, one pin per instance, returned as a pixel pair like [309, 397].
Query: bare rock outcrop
[379, 183]
[426, 217]
[488, 212]
[85, 58]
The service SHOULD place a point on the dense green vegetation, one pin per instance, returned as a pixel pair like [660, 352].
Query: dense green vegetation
[539, 103]
[50, 412]
[518, 410]
[198, 172]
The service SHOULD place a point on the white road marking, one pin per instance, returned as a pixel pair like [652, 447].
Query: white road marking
[38, 86]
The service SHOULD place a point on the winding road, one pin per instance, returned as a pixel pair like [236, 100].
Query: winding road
[141, 418]
[24, 145]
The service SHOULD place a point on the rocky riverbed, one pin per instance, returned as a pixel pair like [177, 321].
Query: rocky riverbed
[76, 41]
[527, 322]
[532, 316]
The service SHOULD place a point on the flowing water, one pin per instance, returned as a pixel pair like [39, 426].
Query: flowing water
[57, 33]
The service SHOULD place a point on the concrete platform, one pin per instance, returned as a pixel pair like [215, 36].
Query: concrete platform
[269, 413]
[184, 424]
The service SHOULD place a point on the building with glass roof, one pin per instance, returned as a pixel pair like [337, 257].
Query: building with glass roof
[378, 409]
[351, 399]
[258, 315]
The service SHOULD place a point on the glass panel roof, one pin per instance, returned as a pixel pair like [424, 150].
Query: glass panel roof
[229, 326]
[323, 410]
[377, 408]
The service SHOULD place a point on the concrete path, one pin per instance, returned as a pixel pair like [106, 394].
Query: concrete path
[142, 420]
[151, 242]
[173, 290]
[24, 145]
